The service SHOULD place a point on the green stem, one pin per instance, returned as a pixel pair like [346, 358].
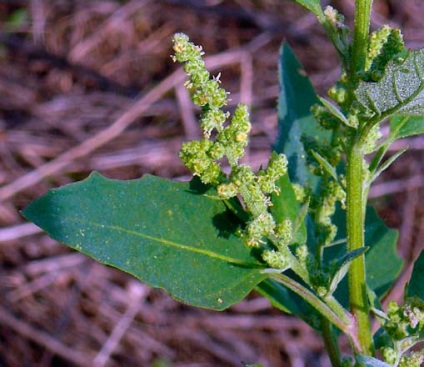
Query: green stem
[331, 344]
[338, 309]
[360, 38]
[355, 240]
[315, 302]
[356, 189]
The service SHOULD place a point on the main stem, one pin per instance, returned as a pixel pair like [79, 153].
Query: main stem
[356, 190]
[360, 38]
[355, 239]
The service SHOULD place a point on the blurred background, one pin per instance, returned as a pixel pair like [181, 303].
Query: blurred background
[89, 85]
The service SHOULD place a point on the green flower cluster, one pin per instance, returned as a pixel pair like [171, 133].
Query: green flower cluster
[205, 92]
[255, 190]
[228, 141]
[406, 320]
[386, 44]
[323, 116]
[323, 202]
[325, 207]
[405, 327]
[333, 23]
[339, 93]
[201, 156]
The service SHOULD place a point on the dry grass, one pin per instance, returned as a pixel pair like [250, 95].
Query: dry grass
[89, 85]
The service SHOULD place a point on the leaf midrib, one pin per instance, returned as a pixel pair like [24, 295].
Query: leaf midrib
[169, 243]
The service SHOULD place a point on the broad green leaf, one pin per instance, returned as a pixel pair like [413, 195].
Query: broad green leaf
[416, 283]
[383, 265]
[400, 91]
[295, 120]
[367, 361]
[404, 126]
[172, 235]
[312, 5]
[285, 206]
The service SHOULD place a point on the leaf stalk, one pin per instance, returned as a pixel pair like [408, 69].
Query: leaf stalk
[314, 301]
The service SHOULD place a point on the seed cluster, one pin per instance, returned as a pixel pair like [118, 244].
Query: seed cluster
[405, 326]
[227, 141]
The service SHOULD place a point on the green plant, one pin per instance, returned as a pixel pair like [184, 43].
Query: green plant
[292, 230]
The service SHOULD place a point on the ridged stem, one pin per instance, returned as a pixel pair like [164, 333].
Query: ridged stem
[360, 38]
[355, 192]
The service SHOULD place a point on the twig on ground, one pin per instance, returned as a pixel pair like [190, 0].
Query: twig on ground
[40, 337]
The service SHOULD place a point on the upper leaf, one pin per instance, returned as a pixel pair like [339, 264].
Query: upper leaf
[342, 265]
[416, 283]
[404, 126]
[295, 119]
[312, 5]
[400, 91]
[168, 234]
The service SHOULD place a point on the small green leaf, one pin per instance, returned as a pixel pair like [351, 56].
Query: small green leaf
[335, 111]
[342, 267]
[404, 126]
[171, 235]
[313, 5]
[326, 165]
[295, 120]
[387, 164]
[416, 283]
[400, 91]
[367, 361]
[300, 232]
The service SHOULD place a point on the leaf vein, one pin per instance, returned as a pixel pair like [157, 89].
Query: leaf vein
[180, 246]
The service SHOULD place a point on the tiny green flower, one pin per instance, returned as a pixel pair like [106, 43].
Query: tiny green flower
[234, 137]
[299, 193]
[196, 156]
[372, 139]
[414, 359]
[259, 227]
[227, 190]
[389, 354]
[284, 231]
[275, 259]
